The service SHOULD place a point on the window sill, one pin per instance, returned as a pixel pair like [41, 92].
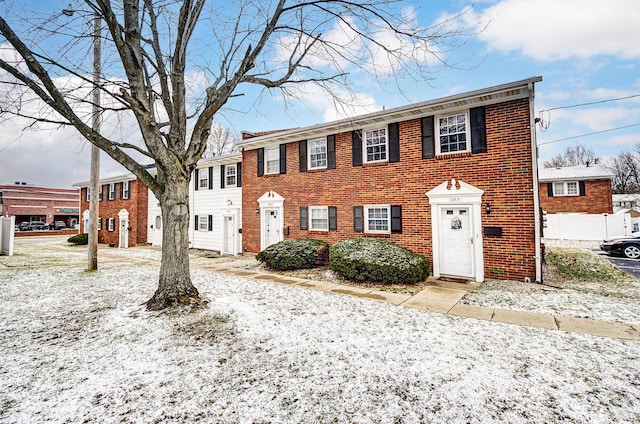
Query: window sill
[453, 155]
[377, 235]
[380, 163]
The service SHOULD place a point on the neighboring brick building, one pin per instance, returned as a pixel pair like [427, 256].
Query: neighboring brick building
[122, 210]
[454, 179]
[576, 189]
[29, 203]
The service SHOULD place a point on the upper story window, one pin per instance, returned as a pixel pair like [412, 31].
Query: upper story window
[317, 153]
[272, 159]
[376, 145]
[319, 218]
[377, 219]
[124, 187]
[100, 192]
[203, 178]
[566, 188]
[231, 175]
[453, 134]
[87, 195]
[112, 191]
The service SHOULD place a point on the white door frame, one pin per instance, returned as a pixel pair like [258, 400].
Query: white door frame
[157, 230]
[270, 200]
[85, 221]
[457, 194]
[123, 225]
[235, 216]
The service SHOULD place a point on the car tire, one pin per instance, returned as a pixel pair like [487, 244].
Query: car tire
[632, 251]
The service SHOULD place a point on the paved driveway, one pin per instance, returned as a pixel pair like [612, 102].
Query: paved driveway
[632, 266]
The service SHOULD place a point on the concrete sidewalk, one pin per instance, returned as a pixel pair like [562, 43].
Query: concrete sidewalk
[446, 300]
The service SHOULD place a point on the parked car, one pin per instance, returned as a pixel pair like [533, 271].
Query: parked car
[628, 246]
[24, 226]
[38, 225]
[57, 225]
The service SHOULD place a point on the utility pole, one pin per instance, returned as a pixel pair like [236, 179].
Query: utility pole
[94, 187]
[95, 152]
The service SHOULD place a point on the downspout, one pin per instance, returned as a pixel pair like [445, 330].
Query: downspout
[536, 185]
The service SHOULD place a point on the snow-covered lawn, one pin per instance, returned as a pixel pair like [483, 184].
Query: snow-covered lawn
[79, 347]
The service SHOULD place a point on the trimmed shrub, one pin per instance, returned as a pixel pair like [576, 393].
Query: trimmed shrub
[372, 259]
[79, 239]
[294, 254]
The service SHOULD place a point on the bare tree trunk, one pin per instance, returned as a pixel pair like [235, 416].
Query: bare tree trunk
[175, 287]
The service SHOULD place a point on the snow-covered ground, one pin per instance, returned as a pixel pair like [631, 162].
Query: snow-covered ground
[79, 347]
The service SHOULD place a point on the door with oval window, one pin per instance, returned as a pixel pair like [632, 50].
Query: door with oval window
[157, 231]
[456, 241]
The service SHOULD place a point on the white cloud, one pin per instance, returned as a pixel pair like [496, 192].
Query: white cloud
[549, 30]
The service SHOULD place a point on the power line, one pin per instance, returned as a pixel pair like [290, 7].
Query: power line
[591, 103]
[585, 135]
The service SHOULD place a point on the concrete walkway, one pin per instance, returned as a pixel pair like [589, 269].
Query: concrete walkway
[446, 300]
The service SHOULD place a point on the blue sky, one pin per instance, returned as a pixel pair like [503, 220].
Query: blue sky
[588, 52]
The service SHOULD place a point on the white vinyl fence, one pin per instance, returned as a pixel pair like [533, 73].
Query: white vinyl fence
[587, 227]
[7, 234]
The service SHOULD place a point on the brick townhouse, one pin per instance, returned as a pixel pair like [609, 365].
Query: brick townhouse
[576, 189]
[122, 210]
[454, 179]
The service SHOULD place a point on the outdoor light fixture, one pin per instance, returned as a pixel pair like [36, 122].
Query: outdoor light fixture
[257, 211]
[487, 208]
[229, 202]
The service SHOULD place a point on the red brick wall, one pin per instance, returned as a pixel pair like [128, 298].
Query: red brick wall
[136, 205]
[504, 173]
[598, 199]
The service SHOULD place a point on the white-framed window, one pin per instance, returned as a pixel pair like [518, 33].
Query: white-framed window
[566, 188]
[111, 224]
[203, 178]
[317, 152]
[376, 145]
[272, 159]
[99, 225]
[88, 194]
[100, 193]
[231, 175]
[203, 223]
[319, 218]
[112, 191]
[453, 133]
[125, 189]
[377, 219]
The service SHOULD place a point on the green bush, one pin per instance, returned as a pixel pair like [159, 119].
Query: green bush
[377, 260]
[294, 254]
[79, 239]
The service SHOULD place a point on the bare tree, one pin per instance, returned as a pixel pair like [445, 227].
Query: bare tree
[626, 171]
[156, 47]
[573, 156]
[222, 141]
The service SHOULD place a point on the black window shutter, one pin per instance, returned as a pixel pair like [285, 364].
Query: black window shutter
[583, 190]
[333, 218]
[210, 177]
[210, 222]
[86, 194]
[304, 218]
[222, 175]
[283, 158]
[394, 142]
[260, 162]
[239, 174]
[428, 140]
[358, 219]
[396, 219]
[100, 192]
[196, 179]
[550, 189]
[121, 190]
[331, 152]
[196, 222]
[478, 130]
[356, 148]
[302, 148]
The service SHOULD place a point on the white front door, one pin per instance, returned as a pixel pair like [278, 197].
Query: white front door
[124, 233]
[272, 230]
[456, 241]
[157, 231]
[228, 235]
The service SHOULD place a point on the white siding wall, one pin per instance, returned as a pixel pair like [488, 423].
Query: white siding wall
[217, 202]
[154, 236]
